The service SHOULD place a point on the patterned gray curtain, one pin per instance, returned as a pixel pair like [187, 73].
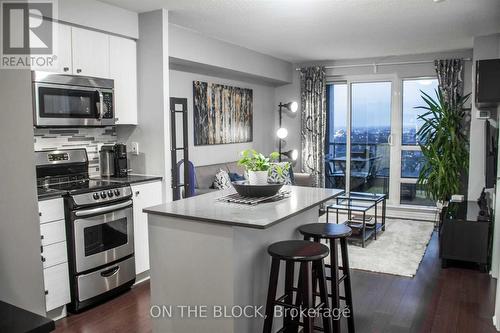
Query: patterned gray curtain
[450, 73]
[313, 127]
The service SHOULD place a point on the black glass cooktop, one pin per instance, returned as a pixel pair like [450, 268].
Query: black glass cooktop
[82, 186]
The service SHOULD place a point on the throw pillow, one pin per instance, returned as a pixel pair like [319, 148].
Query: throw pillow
[236, 177]
[222, 180]
[279, 173]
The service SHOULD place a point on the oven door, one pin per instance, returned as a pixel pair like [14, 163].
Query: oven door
[103, 235]
[66, 105]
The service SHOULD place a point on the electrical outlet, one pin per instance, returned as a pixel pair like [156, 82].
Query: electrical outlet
[457, 198]
[135, 148]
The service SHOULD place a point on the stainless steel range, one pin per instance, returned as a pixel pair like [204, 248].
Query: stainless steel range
[99, 226]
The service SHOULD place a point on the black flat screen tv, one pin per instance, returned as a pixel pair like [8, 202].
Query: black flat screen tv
[487, 83]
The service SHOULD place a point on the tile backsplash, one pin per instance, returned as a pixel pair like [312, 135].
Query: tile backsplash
[89, 138]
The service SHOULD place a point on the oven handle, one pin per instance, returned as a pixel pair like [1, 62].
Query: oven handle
[110, 272]
[101, 103]
[102, 210]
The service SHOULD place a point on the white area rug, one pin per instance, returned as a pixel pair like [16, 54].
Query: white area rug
[398, 250]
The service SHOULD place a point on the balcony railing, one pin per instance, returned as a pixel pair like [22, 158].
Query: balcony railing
[370, 163]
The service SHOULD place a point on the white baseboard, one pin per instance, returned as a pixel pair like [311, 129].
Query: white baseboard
[57, 313]
[419, 213]
[428, 214]
[495, 323]
[141, 277]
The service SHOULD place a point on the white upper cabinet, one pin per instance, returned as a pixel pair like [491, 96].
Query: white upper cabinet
[62, 51]
[90, 53]
[63, 63]
[123, 70]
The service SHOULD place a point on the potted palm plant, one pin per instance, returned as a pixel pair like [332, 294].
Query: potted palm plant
[444, 146]
[257, 165]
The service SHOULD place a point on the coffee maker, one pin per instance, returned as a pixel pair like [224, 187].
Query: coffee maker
[113, 160]
[121, 167]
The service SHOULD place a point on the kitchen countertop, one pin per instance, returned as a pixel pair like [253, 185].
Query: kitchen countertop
[46, 194]
[16, 320]
[206, 208]
[131, 179]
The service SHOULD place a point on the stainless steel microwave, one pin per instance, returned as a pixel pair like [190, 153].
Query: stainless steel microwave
[61, 100]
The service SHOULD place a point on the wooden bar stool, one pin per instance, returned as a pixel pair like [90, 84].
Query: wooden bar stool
[310, 256]
[332, 233]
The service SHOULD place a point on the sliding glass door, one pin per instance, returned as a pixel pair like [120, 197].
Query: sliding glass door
[359, 129]
[370, 159]
[371, 143]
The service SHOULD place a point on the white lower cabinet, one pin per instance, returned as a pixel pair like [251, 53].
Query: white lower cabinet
[54, 253]
[56, 280]
[51, 210]
[144, 195]
[53, 232]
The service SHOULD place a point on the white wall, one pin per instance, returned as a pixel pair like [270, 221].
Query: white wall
[100, 16]
[152, 134]
[181, 85]
[21, 280]
[284, 94]
[485, 47]
[189, 46]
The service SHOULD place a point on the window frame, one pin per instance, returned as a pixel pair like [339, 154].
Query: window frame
[396, 127]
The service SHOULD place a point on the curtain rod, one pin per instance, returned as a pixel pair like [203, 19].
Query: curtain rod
[384, 64]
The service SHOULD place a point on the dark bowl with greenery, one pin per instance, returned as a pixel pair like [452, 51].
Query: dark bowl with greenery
[255, 191]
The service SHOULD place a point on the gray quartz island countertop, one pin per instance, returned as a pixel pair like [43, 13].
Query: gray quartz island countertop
[206, 207]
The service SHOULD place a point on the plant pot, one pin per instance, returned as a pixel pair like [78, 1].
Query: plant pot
[257, 177]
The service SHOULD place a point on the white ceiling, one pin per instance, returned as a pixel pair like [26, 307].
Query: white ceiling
[305, 30]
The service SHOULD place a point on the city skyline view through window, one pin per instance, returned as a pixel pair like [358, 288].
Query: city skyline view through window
[371, 127]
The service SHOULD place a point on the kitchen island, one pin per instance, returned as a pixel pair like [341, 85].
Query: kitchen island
[209, 258]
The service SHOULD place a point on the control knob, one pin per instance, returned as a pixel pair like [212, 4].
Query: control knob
[96, 196]
[110, 193]
[103, 195]
[117, 192]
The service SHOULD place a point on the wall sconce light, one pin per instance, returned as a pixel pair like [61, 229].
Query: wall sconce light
[282, 132]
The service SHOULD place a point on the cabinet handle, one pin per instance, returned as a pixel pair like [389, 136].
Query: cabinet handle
[46, 292]
[41, 248]
[137, 193]
[78, 70]
[39, 213]
[43, 258]
[66, 69]
[42, 237]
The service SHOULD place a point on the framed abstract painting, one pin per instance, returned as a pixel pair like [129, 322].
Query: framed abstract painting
[222, 114]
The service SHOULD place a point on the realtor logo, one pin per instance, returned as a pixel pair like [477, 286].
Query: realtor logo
[27, 34]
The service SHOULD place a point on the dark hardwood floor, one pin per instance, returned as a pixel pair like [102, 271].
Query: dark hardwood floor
[126, 313]
[456, 299]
